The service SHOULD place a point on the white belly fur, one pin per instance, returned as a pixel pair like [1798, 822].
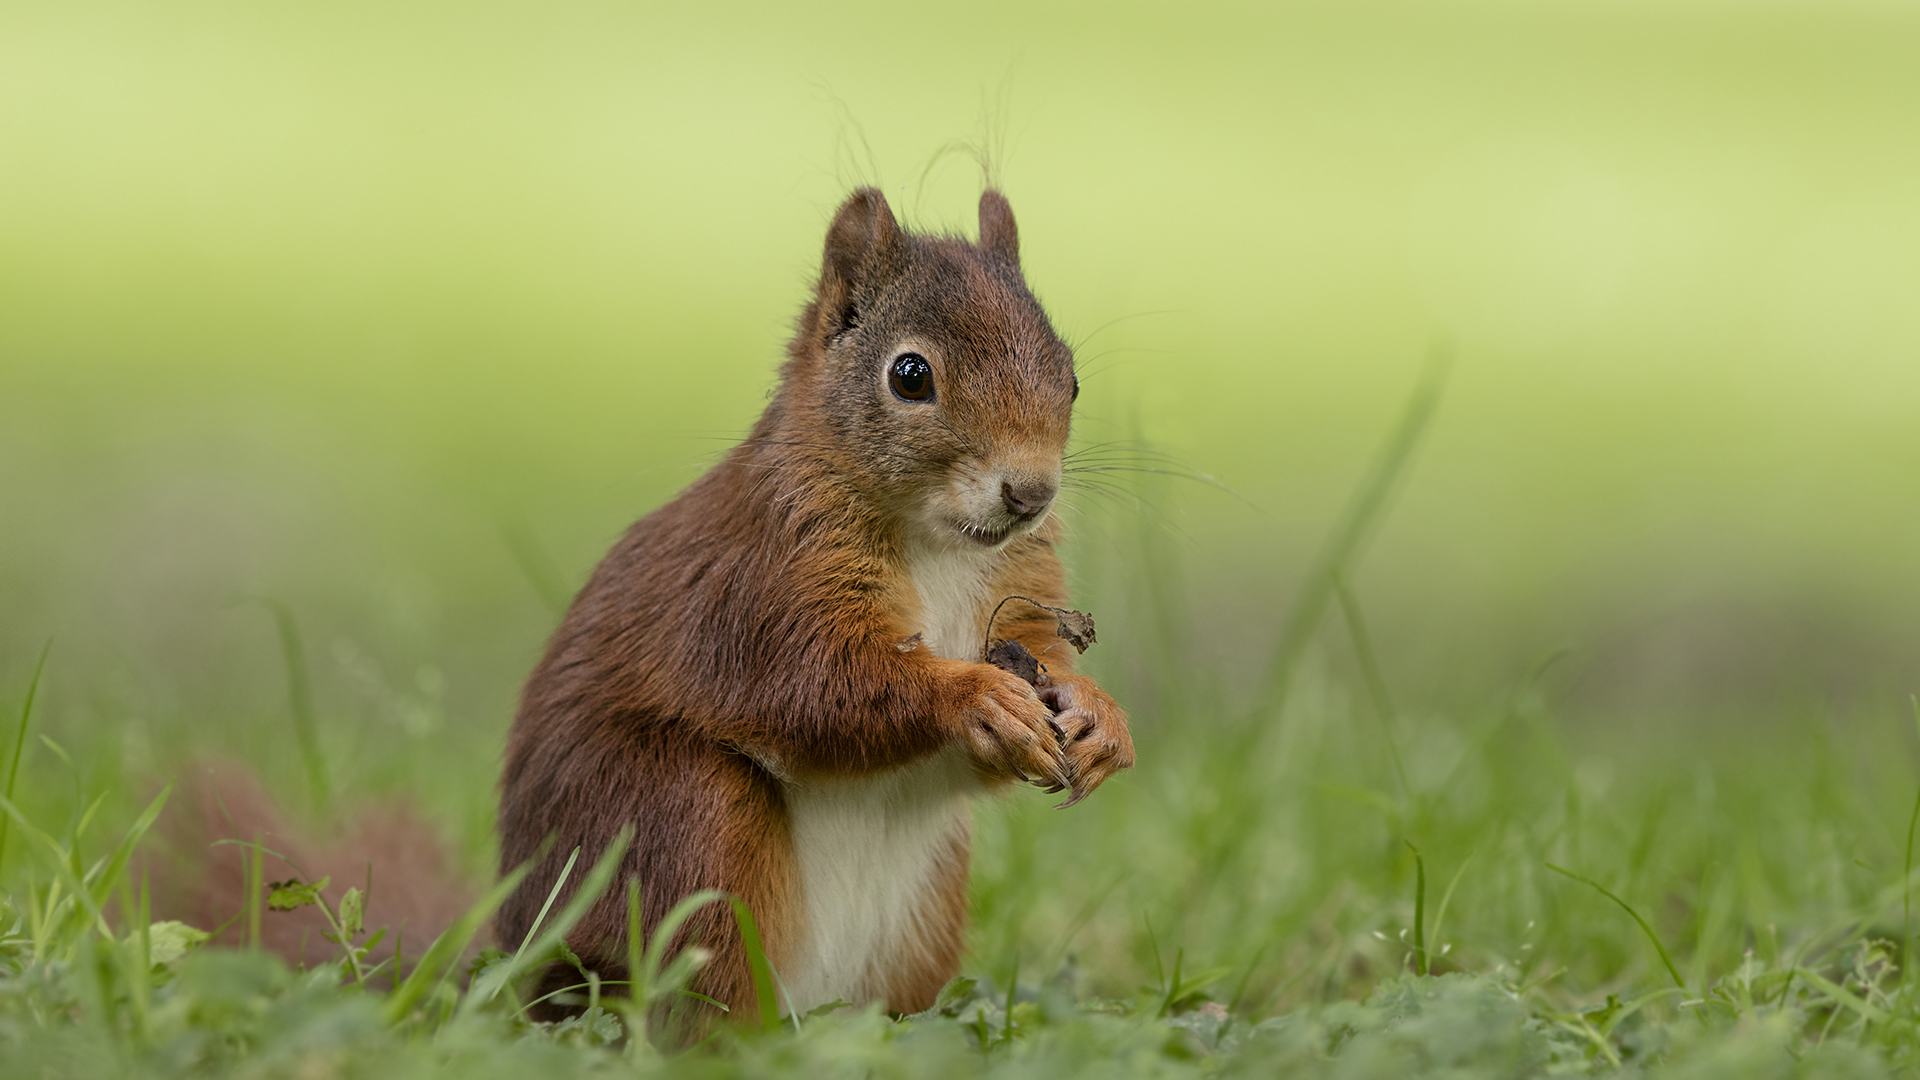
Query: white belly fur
[868, 853]
[869, 849]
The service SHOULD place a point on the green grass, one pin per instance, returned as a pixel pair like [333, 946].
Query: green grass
[1567, 731]
[1263, 894]
[1723, 915]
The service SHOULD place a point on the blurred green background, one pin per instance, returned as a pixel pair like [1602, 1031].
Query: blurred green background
[400, 313]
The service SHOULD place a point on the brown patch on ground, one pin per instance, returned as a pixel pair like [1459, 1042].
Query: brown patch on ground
[417, 891]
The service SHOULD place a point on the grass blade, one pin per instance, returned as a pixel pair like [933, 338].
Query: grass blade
[536, 565]
[1628, 908]
[20, 744]
[448, 947]
[1628, 1009]
[92, 890]
[1841, 996]
[1446, 898]
[63, 870]
[1365, 507]
[1419, 907]
[256, 887]
[1370, 674]
[591, 889]
[656, 957]
[636, 942]
[105, 876]
[306, 730]
[1906, 881]
[552, 895]
[757, 965]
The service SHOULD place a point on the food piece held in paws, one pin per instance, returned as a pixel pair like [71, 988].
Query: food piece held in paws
[1013, 658]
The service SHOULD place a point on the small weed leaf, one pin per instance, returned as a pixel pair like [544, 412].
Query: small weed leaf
[170, 940]
[1448, 1023]
[570, 957]
[293, 894]
[353, 912]
[1075, 627]
[1206, 1021]
[484, 960]
[955, 996]
[595, 1027]
[491, 964]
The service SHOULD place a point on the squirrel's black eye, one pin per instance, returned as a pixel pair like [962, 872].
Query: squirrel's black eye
[911, 377]
[1076, 388]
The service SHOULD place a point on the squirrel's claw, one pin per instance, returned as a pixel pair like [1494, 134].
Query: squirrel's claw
[1097, 743]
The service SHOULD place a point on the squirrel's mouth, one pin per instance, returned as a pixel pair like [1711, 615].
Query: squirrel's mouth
[983, 535]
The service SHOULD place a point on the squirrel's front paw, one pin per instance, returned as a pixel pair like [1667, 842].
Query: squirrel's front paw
[1011, 732]
[1093, 732]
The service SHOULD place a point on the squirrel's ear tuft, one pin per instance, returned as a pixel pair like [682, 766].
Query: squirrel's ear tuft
[865, 250]
[998, 236]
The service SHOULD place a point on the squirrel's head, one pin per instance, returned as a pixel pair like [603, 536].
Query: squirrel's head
[936, 371]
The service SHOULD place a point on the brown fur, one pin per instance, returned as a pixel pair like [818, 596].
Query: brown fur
[745, 634]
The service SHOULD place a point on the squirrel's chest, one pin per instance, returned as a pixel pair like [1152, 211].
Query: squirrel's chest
[954, 590]
[882, 858]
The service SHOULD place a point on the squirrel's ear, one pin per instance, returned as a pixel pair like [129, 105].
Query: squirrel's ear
[865, 249]
[998, 236]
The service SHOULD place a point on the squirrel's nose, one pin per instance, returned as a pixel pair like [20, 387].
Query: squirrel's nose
[1027, 499]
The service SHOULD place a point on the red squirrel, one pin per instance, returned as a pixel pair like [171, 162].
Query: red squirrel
[777, 677]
